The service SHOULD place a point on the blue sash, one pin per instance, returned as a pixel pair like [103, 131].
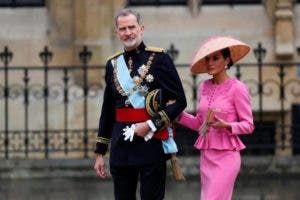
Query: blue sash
[169, 145]
[126, 82]
[138, 101]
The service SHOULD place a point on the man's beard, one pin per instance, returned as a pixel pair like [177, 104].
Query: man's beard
[132, 43]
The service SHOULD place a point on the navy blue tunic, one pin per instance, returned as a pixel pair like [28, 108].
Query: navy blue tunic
[165, 78]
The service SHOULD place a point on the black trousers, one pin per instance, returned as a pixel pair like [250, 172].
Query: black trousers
[152, 179]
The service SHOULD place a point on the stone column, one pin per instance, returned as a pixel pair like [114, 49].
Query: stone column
[194, 6]
[78, 23]
[94, 27]
[284, 29]
[60, 33]
[284, 49]
[281, 13]
[270, 6]
[74, 24]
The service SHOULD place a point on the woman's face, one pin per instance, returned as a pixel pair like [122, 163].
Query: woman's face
[215, 63]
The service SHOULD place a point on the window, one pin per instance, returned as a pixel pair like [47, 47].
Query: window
[21, 3]
[211, 2]
[184, 2]
[156, 2]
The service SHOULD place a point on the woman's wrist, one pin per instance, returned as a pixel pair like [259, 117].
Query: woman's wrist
[228, 127]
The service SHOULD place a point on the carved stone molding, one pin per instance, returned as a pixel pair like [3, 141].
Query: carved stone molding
[282, 14]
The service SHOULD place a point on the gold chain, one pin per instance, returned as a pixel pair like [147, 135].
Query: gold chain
[143, 70]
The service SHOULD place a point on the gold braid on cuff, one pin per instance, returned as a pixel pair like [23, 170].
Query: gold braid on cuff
[164, 118]
[103, 140]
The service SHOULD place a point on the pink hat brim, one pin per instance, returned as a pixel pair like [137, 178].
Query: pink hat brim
[237, 49]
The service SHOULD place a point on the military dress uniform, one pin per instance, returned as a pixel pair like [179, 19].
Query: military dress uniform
[150, 68]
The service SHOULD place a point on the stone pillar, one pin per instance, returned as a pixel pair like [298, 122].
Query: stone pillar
[281, 13]
[284, 29]
[94, 27]
[60, 33]
[74, 24]
[60, 22]
[284, 49]
[194, 6]
[270, 6]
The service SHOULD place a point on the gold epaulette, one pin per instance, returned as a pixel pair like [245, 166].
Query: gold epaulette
[115, 55]
[155, 49]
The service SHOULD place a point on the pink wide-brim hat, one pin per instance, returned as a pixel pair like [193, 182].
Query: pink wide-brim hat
[237, 49]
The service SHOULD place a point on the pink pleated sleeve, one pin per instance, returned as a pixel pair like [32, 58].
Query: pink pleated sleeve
[191, 121]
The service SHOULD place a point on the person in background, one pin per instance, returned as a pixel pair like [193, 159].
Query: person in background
[137, 73]
[223, 113]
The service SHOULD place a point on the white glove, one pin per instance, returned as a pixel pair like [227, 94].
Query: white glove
[149, 136]
[129, 132]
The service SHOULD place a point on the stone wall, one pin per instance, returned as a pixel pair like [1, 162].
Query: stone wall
[65, 26]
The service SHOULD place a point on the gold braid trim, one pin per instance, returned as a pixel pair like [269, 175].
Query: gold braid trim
[154, 49]
[151, 104]
[143, 71]
[115, 55]
[103, 140]
[164, 118]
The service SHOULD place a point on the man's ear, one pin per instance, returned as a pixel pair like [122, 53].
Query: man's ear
[142, 28]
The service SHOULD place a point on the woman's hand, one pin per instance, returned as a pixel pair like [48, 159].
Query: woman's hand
[219, 123]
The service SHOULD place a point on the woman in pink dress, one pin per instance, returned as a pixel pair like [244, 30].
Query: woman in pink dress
[223, 113]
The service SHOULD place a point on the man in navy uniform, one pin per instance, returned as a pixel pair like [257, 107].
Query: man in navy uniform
[130, 76]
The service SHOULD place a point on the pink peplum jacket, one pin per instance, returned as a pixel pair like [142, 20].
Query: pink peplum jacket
[231, 101]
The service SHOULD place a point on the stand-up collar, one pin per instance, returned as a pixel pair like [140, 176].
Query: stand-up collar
[137, 50]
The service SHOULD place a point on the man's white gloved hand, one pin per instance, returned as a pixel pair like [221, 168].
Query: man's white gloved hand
[129, 132]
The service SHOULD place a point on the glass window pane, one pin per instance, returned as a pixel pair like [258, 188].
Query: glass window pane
[231, 1]
[19, 3]
[157, 2]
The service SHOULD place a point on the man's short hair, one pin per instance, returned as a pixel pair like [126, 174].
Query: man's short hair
[126, 12]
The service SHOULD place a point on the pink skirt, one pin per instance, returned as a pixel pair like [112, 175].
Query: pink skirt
[218, 172]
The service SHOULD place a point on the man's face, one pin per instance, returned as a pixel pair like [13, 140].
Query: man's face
[129, 32]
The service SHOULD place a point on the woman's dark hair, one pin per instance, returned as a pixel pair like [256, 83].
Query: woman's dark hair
[226, 54]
